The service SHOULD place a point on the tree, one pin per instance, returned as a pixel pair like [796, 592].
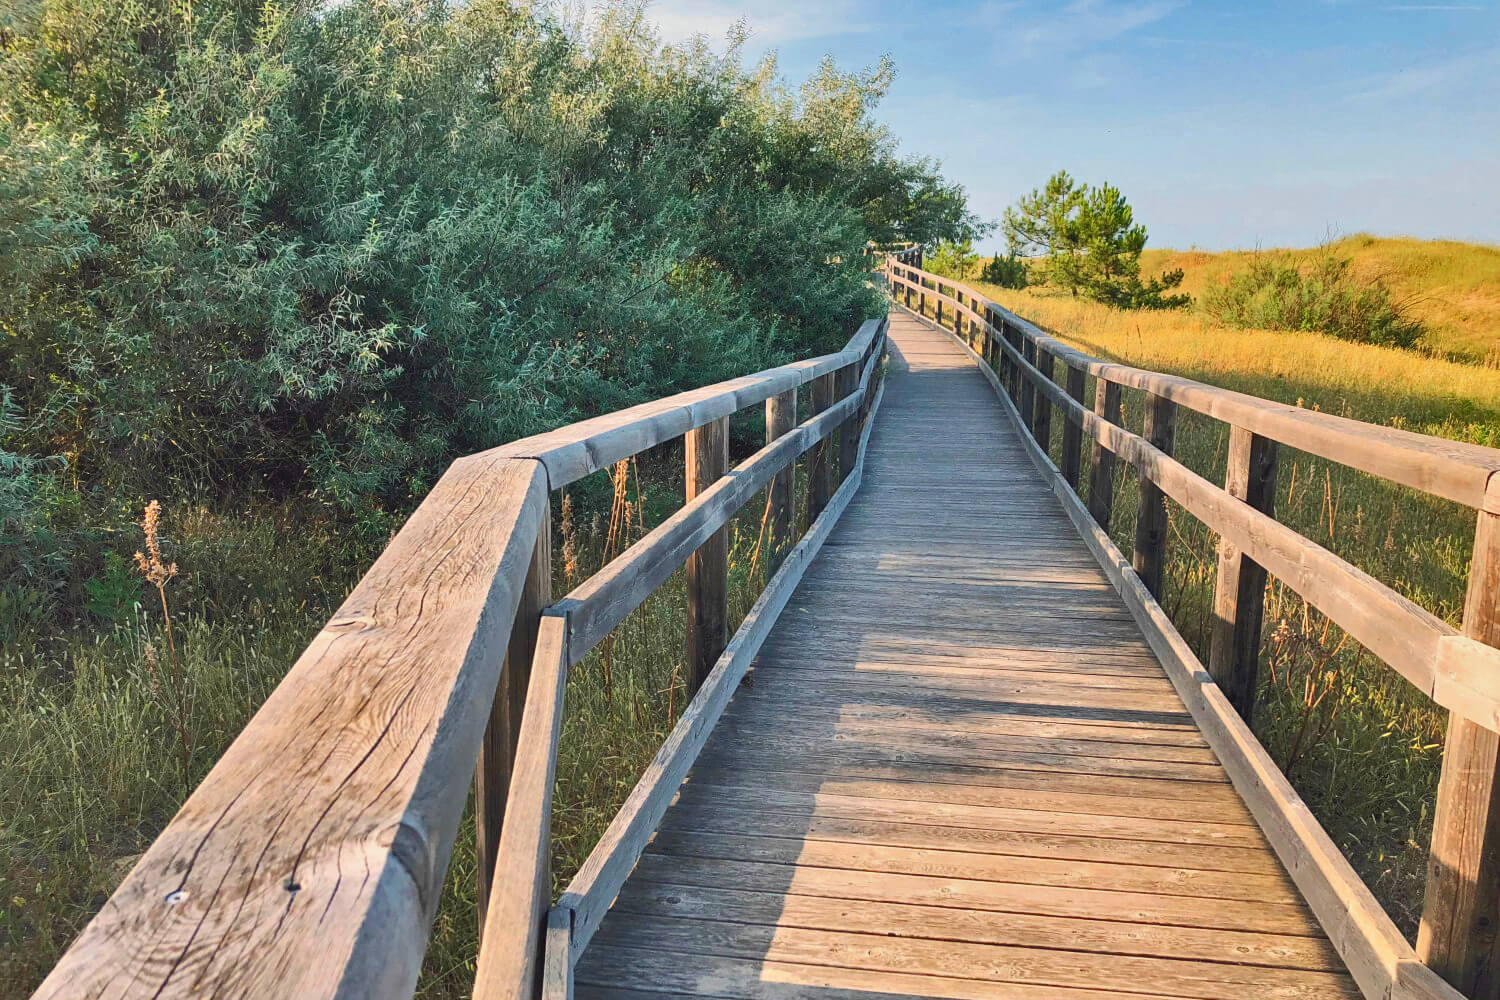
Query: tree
[1085, 239]
[1008, 272]
[955, 260]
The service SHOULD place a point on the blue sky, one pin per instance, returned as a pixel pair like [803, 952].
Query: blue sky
[1226, 124]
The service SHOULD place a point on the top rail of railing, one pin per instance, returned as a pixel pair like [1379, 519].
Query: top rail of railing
[1453, 470]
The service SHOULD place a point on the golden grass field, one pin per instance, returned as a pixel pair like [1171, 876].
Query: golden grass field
[1452, 287]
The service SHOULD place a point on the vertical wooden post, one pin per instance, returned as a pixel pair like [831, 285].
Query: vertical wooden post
[781, 417]
[1016, 377]
[1028, 391]
[1461, 912]
[1072, 442]
[1101, 459]
[497, 751]
[848, 432]
[922, 298]
[819, 456]
[937, 303]
[1240, 589]
[708, 568]
[1151, 519]
[1041, 418]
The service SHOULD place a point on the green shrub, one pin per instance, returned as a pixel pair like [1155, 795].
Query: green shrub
[1324, 296]
[1008, 271]
[250, 249]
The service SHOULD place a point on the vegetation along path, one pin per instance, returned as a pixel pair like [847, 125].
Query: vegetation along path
[958, 769]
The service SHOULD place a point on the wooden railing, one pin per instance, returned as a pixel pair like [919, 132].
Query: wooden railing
[309, 863]
[1458, 670]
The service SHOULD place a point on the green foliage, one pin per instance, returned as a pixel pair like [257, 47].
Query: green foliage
[1085, 239]
[954, 259]
[319, 250]
[1324, 295]
[1009, 271]
[29, 498]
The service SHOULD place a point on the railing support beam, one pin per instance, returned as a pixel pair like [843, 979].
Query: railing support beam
[497, 753]
[1459, 936]
[820, 455]
[781, 417]
[1240, 588]
[1041, 416]
[1101, 459]
[1072, 438]
[708, 568]
[1150, 554]
[847, 383]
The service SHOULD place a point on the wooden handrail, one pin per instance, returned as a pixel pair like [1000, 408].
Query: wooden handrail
[512, 964]
[1459, 671]
[1450, 469]
[310, 862]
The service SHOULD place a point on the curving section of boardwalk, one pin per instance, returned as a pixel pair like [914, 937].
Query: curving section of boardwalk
[957, 770]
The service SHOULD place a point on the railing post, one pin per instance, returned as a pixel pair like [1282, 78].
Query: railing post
[847, 384]
[1240, 589]
[708, 568]
[1017, 379]
[1151, 519]
[1101, 459]
[1072, 442]
[1028, 391]
[1041, 417]
[1461, 912]
[497, 751]
[921, 296]
[819, 456]
[937, 303]
[781, 417]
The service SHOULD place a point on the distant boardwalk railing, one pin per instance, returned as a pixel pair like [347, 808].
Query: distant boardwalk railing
[1459, 671]
[310, 862]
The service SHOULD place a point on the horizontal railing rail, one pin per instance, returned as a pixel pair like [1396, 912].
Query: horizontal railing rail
[1458, 670]
[311, 859]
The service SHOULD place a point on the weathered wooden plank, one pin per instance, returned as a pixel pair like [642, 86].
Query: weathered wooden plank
[1239, 588]
[990, 881]
[497, 752]
[820, 457]
[359, 761]
[707, 567]
[615, 969]
[1377, 956]
[1072, 441]
[510, 953]
[1460, 933]
[781, 416]
[1164, 930]
[1038, 966]
[1150, 556]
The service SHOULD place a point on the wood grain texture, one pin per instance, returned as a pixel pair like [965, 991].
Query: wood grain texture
[1377, 956]
[511, 951]
[1072, 442]
[1150, 555]
[310, 861]
[707, 568]
[1240, 586]
[1101, 459]
[926, 781]
[492, 772]
[1461, 909]
[781, 416]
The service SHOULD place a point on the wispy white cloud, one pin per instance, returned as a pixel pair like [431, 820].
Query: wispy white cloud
[1471, 72]
[771, 22]
[1078, 40]
[1431, 7]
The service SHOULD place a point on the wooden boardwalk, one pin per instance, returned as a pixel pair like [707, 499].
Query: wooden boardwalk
[957, 770]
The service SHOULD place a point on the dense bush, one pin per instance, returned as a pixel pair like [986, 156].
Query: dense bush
[1325, 296]
[1008, 271]
[317, 250]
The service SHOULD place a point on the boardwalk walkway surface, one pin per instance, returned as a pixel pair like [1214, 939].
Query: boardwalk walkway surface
[957, 770]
